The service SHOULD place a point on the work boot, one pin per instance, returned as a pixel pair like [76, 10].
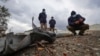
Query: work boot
[81, 34]
[74, 33]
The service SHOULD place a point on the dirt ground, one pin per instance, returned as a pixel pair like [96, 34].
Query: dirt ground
[87, 45]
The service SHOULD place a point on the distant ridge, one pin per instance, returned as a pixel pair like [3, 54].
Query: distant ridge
[95, 27]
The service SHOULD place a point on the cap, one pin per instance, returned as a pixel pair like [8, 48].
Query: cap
[73, 13]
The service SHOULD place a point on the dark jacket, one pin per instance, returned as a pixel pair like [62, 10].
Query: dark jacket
[73, 18]
[42, 17]
[52, 22]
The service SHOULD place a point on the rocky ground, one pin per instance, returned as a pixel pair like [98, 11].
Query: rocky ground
[87, 45]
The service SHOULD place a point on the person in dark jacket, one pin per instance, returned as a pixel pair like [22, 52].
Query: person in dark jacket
[42, 18]
[76, 22]
[52, 23]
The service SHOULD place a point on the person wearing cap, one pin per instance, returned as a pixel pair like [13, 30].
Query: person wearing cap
[42, 18]
[76, 22]
[52, 23]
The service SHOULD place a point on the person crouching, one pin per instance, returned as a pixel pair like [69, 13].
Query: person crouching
[76, 22]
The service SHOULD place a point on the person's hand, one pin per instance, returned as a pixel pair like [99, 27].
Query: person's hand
[81, 20]
[77, 22]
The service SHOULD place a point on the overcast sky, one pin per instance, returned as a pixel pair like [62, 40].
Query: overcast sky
[23, 10]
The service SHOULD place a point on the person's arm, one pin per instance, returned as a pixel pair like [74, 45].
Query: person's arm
[81, 19]
[70, 21]
[49, 21]
[39, 16]
[45, 15]
[54, 22]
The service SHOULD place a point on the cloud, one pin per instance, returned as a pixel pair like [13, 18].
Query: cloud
[95, 3]
[23, 10]
[16, 26]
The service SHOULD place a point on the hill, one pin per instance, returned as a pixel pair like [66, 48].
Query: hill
[95, 27]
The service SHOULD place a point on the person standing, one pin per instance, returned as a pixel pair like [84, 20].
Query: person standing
[52, 23]
[42, 18]
[76, 22]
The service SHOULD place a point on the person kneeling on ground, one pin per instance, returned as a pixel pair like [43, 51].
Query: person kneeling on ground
[52, 23]
[76, 22]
